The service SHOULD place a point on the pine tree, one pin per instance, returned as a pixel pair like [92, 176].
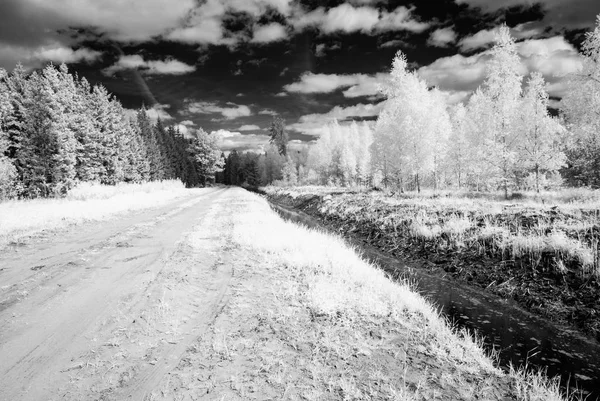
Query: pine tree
[8, 172]
[279, 136]
[153, 153]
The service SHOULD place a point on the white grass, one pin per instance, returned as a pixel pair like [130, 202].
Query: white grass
[331, 279]
[458, 219]
[89, 202]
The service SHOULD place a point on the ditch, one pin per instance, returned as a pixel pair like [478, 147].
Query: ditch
[516, 335]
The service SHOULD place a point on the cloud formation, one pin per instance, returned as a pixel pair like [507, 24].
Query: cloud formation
[442, 37]
[230, 140]
[553, 57]
[348, 19]
[36, 57]
[229, 112]
[357, 84]
[249, 127]
[269, 33]
[313, 124]
[166, 67]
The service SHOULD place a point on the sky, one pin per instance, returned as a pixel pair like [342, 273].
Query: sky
[231, 65]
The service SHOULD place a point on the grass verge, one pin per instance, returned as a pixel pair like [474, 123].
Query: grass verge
[345, 331]
[87, 202]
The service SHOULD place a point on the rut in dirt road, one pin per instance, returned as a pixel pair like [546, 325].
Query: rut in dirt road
[106, 311]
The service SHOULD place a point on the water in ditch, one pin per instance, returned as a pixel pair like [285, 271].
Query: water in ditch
[519, 337]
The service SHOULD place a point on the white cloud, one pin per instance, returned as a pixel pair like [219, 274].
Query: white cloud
[553, 57]
[401, 19]
[204, 25]
[487, 37]
[482, 38]
[189, 123]
[154, 113]
[393, 43]
[526, 30]
[269, 33]
[207, 31]
[230, 112]
[116, 19]
[313, 124]
[456, 72]
[269, 112]
[230, 140]
[442, 37]
[38, 56]
[165, 67]
[281, 94]
[347, 18]
[249, 127]
[358, 84]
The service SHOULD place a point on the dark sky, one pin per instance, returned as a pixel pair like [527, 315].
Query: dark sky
[229, 65]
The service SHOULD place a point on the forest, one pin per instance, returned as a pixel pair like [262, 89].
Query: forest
[504, 138]
[57, 130]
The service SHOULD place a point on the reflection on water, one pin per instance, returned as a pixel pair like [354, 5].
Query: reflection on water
[521, 338]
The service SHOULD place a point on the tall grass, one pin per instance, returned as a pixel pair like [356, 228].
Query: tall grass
[526, 229]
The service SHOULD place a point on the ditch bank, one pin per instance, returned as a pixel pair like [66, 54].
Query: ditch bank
[518, 317]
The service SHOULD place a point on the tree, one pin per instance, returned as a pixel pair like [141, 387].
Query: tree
[499, 102]
[153, 153]
[406, 130]
[539, 147]
[289, 172]
[279, 136]
[458, 158]
[205, 153]
[8, 172]
[581, 109]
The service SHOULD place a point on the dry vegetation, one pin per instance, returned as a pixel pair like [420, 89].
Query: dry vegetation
[507, 246]
[87, 202]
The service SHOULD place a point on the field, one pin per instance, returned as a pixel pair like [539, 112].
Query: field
[215, 297]
[540, 251]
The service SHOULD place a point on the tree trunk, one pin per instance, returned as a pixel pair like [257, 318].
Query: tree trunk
[418, 183]
[537, 178]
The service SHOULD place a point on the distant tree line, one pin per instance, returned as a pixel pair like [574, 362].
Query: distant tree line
[57, 130]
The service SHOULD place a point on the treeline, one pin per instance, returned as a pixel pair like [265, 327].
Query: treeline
[503, 138]
[57, 130]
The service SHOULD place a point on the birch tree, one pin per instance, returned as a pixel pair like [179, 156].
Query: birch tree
[406, 128]
[500, 96]
[539, 147]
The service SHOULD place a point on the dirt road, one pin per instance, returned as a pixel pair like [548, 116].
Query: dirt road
[107, 310]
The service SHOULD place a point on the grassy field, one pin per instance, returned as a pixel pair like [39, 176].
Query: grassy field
[87, 202]
[357, 333]
[540, 252]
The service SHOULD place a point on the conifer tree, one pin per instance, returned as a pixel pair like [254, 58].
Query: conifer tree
[279, 136]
